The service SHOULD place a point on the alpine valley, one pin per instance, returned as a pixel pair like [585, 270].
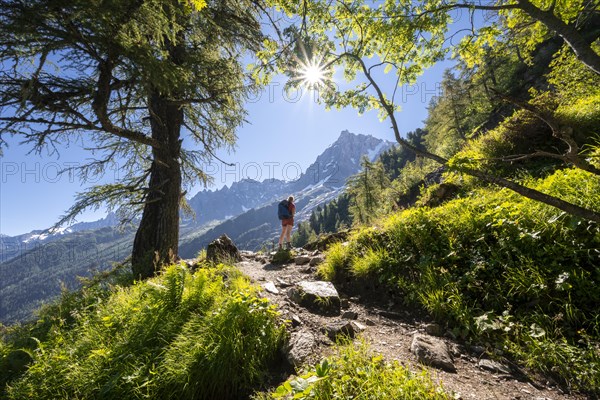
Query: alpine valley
[34, 267]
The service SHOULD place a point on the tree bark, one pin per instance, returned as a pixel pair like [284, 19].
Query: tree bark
[569, 33]
[157, 238]
[578, 43]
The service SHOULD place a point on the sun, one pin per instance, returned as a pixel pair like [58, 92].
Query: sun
[313, 75]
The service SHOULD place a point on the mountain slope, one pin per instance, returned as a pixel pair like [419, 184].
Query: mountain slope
[33, 266]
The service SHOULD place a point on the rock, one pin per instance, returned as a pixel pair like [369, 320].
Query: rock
[316, 261]
[458, 351]
[320, 297]
[283, 283]
[390, 314]
[296, 321]
[306, 270]
[344, 328]
[432, 351]
[370, 322]
[192, 264]
[302, 260]
[433, 329]
[345, 303]
[358, 327]
[222, 250]
[248, 254]
[493, 366]
[270, 287]
[300, 347]
[477, 350]
[349, 315]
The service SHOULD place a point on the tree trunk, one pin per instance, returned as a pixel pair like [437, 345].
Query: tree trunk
[157, 238]
[569, 33]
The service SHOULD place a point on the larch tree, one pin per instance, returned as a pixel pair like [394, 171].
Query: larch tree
[369, 40]
[150, 86]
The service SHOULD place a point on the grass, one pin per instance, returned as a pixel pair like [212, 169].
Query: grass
[498, 270]
[180, 335]
[354, 373]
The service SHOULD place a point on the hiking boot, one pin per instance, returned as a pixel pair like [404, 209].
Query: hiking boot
[288, 246]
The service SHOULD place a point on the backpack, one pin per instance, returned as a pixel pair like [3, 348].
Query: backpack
[283, 211]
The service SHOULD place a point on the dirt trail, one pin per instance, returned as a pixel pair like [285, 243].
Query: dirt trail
[390, 333]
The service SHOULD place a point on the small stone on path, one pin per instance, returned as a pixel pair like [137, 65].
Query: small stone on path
[432, 351]
[302, 260]
[283, 283]
[493, 366]
[349, 315]
[316, 261]
[270, 287]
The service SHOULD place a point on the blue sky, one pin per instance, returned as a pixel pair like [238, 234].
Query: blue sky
[283, 136]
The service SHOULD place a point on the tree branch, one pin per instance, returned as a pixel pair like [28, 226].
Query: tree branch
[100, 106]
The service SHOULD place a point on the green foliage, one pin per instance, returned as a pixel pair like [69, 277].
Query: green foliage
[497, 269]
[178, 335]
[336, 259]
[366, 191]
[570, 78]
[353, 373]
[283, 256]
[370, 263]
[395, 159]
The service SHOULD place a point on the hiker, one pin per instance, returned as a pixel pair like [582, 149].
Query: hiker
[286, 211]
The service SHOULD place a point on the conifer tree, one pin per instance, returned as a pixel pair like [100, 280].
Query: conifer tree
[131, 80]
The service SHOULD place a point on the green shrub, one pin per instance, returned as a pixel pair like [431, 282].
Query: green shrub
[353, 373]
[336, 258]
[369, 263]
[179, 335]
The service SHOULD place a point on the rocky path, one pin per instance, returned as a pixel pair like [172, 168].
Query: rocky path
[465, 372]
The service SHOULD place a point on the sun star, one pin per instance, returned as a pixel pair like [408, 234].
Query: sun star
[313, 75]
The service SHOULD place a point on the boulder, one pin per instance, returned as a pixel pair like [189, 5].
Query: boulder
[222, 249]
[432, 351]
[300, 347]
[319, 296]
